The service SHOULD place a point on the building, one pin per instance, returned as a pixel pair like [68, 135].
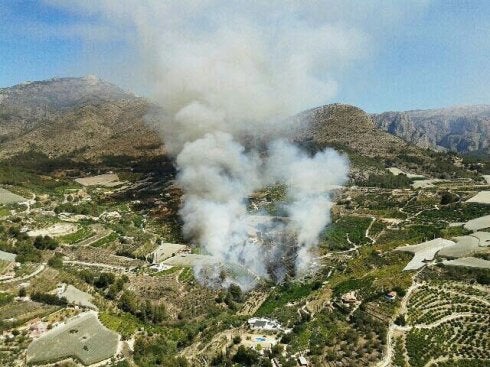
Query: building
[349, 297]
[303, 362]
[390, 296]
[261, 323]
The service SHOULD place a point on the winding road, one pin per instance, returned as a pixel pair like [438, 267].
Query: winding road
[39, 269]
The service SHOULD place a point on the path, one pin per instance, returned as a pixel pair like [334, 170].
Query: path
[386, 361]
[100, 265]
[33, 274]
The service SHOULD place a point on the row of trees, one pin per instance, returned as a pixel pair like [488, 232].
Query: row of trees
[146, 311]
[49, 299]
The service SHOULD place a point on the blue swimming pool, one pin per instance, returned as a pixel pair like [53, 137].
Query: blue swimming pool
[260, 339]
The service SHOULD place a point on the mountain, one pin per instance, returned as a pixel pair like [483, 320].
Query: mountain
[350, 128]
[370, 149]
[88, 120]
[83, 117]
[463, 129]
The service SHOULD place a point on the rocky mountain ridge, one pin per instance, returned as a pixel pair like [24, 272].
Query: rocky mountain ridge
[86, 119]
[462, 129]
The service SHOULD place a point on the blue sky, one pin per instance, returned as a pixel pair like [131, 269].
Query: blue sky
[438, 55]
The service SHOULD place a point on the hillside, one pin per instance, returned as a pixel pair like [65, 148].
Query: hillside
[463, 129]
[87, 119]
[353, 131]
[91, 240]
[84, 118]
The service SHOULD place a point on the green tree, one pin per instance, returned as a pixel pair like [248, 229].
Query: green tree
[56, 261]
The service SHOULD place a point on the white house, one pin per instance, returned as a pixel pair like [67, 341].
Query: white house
[261, 323]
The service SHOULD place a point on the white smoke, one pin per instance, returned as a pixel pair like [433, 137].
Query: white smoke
[217, 175]
[309, 180]
[227, 74]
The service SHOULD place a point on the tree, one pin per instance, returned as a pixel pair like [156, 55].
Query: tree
[22, 292]
[104, 280]
[156, 351]
[56, 261]
[128, 302]
[45, 243]
[245, 356]
[235, 292]
[448, 197]
[49, 299]
[26, 252]
[400, 320]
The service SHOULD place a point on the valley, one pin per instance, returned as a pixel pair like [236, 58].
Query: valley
[98, 239]
[92, 244]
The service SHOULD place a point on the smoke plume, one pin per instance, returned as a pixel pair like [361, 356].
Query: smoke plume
[226, 83]
[227, 74]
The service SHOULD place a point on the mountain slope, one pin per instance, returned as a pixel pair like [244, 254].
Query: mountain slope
[462, 129]
[86, 119]
[348, 127]
[370, 149]
[82, 117]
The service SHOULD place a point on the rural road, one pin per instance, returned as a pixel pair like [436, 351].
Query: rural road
[373, 241]
[386, 361]
[100, 265]
[33, 274]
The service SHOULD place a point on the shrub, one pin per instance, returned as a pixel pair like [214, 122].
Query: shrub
[45, 243]
[49, 299]
[56, 261]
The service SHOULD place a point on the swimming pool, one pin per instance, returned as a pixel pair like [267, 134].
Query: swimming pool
[260, 339]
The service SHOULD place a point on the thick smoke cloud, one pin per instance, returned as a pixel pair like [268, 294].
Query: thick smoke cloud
[309, 181]
[227, 74]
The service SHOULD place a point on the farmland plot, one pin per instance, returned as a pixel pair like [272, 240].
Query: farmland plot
[7, 197]
[447, 320]
[483, 197]
[424, 251]
[83, 337]
[465, 246]
[107, 180]
[478, 223]
[469, 262]
[7, 256]
[75, 296]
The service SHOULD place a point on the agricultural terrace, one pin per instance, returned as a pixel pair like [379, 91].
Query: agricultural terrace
[447, 320]
[83, 338]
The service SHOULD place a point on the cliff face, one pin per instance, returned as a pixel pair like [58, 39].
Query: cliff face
[463, 129]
